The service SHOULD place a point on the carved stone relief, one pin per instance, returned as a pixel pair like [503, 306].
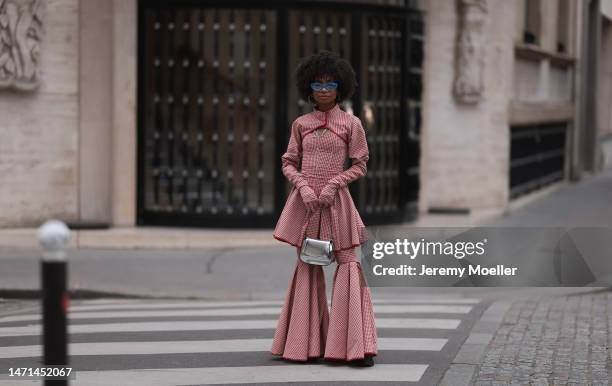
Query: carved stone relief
[470, 51]
[21, 32]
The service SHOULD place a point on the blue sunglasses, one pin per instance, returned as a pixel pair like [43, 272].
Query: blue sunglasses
[316, 86]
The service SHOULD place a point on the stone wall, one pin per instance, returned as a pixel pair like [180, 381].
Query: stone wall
[604, 97]
[606, 8]
[39, 129]
[465, 147]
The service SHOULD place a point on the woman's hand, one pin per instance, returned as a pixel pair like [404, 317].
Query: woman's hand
[328, 194]
[309, 197]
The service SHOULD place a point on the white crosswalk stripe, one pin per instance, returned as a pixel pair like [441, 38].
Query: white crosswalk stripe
[381, 309]
[200, 346]
[254, 303]
[219, 325]
[405, 326]
[255, 374]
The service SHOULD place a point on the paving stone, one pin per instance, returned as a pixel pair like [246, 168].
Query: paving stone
[541, 340]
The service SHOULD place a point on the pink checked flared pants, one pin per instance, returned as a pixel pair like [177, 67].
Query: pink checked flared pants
[306, 329]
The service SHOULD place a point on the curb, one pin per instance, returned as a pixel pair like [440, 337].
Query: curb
[463, 367]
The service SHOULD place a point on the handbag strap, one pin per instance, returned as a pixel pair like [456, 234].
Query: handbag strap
[308, 212]
[320, 216]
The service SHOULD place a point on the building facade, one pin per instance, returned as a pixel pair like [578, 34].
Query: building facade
[128, 113]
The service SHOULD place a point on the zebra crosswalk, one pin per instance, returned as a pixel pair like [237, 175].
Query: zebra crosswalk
[160, 342]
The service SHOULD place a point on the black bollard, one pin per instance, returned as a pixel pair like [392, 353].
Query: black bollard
[53, 237]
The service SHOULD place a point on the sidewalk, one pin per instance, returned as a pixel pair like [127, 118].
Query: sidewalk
[551, 341]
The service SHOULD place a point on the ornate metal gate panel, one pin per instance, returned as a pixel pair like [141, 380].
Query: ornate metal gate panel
[411, 148]
[216, 98]
[378, 45]
[382, 98]
[208, 114]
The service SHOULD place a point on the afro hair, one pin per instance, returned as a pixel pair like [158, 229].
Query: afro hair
[325, 63]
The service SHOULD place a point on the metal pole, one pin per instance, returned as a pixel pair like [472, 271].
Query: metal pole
[53, 236]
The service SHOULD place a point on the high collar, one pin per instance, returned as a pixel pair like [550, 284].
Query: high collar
[326, 115]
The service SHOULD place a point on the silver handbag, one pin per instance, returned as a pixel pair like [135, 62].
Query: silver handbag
[316, 251]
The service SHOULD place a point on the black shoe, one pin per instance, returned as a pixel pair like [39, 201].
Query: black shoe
[367, 361]
[313, 359]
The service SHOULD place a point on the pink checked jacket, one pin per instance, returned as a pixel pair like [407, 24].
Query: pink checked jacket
[322, 158]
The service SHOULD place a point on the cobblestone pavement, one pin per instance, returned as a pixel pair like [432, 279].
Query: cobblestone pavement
[561, 340]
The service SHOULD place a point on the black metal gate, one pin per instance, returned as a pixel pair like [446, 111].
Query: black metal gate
[216, 98]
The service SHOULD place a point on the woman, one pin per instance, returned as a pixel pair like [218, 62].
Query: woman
[320, 205]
